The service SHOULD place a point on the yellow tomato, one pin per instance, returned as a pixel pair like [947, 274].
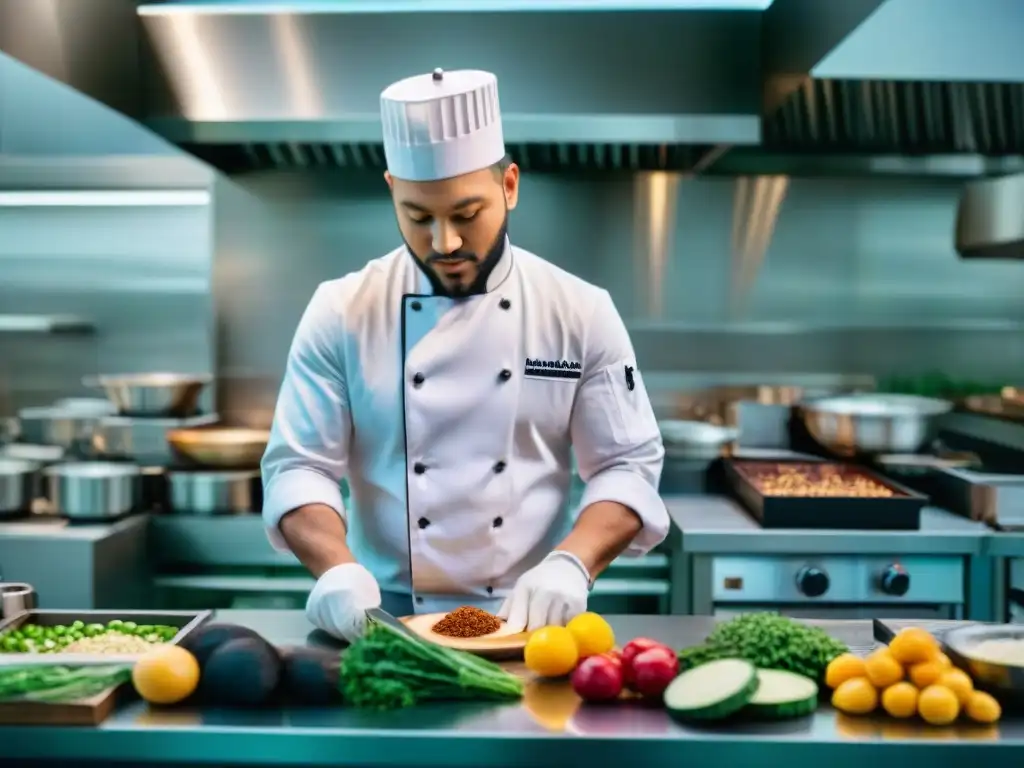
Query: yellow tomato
[592, 634]
[551, 652]
[166, 675]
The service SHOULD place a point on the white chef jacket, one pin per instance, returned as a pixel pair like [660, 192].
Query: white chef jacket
[453, 419]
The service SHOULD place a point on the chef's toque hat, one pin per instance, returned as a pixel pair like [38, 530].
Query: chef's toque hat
[441, 125]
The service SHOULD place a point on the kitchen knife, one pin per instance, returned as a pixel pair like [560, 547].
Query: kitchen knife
[383, 617]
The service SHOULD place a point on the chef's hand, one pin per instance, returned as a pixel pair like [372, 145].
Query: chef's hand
[552, 592]
[340, 599]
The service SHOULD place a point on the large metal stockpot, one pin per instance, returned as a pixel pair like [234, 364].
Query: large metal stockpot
[67, 428]
[214, 492]
[873, 423]
[18, 486]
[94, 489]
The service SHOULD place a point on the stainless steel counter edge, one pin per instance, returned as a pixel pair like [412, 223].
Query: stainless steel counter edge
[496, 736]
[719, 525]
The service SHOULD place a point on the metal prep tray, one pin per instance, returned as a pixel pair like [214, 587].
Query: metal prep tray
[187, 621]
[901, 512]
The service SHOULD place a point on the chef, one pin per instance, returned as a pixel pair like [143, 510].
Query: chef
[449, 382]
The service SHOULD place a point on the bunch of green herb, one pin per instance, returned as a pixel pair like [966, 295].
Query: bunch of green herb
[388, 669]
[57, 684]
[768, 641]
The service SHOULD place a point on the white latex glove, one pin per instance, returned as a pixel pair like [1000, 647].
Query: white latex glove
[552, 592]
[340, 599]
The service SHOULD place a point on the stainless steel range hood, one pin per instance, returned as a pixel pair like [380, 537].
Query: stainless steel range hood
[912, 77]
[582, 84]
[872, 86]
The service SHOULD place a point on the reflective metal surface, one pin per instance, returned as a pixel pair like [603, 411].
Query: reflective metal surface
[694, 439]
[224, 447]
[56, 426]
[549, 728]
[152, 394]
[1004, 673]
[143, 441]
[16, 598]
[18, 486]
[213, 493]
[889, 296]
[989, 224]
[93, 490]
[873, 423]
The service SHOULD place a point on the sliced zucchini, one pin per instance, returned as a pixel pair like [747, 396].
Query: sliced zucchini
[782, 695]
[712, 691]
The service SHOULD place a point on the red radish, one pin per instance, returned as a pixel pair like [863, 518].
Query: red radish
[634, 648]
[597, 678]
[653, 670]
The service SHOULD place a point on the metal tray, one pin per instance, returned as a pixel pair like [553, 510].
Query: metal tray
[187, 621]
[901, 512]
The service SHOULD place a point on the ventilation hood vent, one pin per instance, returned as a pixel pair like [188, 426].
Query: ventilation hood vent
[239, 158]
[911, 77]
[249, 85]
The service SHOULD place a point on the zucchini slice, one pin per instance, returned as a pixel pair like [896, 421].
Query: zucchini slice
[712, 691]
[782, 695]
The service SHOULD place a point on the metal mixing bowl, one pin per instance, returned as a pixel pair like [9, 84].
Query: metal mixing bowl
[221, 447]
[873, 423]
[152, 394]
[694, 439]
[1001, 677]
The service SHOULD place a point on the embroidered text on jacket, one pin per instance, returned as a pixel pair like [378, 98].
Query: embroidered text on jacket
[553, 369]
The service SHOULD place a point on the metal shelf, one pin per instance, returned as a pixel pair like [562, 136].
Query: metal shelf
[45, 324]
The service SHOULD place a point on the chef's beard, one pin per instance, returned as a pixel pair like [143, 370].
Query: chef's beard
[470, 286]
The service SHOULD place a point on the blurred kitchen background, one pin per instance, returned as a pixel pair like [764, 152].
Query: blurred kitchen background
[770, 194]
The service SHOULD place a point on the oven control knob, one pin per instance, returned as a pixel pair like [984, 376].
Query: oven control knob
[812, 582]
[895, 581]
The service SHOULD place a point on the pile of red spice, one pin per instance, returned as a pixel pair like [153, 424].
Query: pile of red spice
[467, 621]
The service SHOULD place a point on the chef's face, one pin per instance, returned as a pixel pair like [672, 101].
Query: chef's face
[453, 225]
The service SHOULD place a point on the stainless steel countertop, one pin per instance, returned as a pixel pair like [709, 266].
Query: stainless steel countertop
[43, 527]
[549, 728]
[717, 524]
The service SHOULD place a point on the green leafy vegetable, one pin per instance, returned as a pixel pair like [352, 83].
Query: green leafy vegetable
[387, 669]
[768, 641]
[57, 684]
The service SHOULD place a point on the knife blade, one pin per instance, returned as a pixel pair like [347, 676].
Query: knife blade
[383, 617]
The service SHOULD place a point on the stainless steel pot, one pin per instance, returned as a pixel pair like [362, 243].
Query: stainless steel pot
[152, 394]
[18, 486]
[214, 493]
[94, 490]
[69, 429]
[873, 423]
[16, 598]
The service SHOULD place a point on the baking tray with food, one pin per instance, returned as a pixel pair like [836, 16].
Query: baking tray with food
[91, 637]
[803, 494]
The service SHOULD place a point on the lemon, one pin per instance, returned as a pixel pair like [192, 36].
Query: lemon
[551, 652]
[592, 634]
[166, 675]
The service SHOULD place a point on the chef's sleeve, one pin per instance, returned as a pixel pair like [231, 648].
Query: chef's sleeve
[614, 431]
[307, 454]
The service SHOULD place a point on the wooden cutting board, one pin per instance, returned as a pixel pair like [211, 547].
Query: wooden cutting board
[502, 644]
[91, 711]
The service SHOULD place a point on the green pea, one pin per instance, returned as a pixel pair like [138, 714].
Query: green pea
[115, 624]
[92, 630]
[78, 624]
[59, 630]
[129, 626]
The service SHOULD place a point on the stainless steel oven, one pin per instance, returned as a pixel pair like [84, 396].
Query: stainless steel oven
[831, 586]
